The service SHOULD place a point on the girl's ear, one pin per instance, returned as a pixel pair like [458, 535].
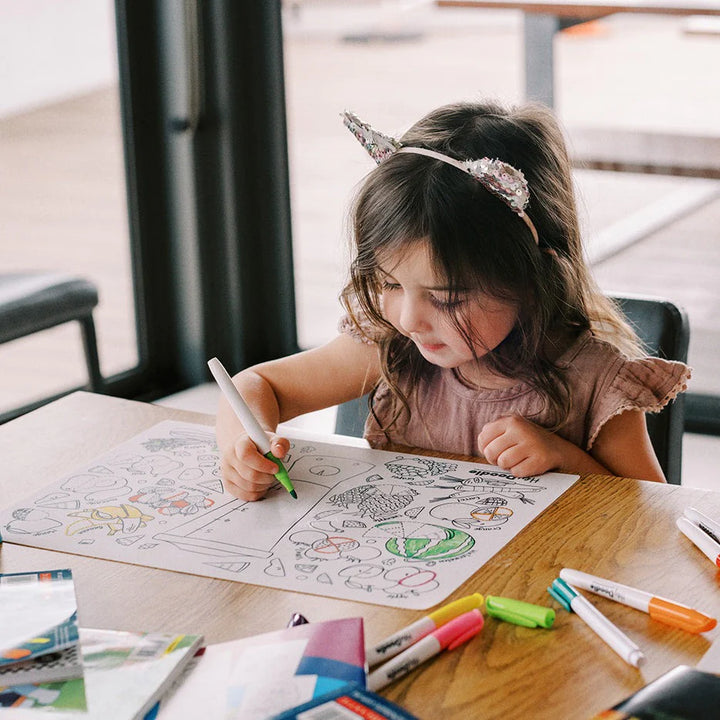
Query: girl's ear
[550, 251]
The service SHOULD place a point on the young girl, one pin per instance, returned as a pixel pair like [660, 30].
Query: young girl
[472, 317]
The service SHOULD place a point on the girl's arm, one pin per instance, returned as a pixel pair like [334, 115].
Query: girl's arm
[281, 389]
[622, 448]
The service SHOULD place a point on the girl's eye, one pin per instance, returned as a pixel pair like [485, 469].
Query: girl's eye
[447, 304]
[387, 285]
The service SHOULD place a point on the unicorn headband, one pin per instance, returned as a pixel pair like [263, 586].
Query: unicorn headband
[499, 178]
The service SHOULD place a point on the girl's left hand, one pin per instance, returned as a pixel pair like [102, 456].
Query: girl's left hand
[520, 446]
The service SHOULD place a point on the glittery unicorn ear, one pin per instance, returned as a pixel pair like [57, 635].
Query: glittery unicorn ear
[380, 147]
[505, 181]
[497, 177]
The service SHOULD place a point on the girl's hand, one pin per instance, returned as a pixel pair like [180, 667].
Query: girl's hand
[520, 446]
[246, 473]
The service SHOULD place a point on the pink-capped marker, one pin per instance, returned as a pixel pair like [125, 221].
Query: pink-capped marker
[446, 637]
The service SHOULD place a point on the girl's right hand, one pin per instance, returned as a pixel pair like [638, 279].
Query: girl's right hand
[246, 473]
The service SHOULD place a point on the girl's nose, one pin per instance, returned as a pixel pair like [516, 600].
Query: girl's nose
[412, 317]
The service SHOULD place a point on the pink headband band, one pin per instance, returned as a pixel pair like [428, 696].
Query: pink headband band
[499, 178]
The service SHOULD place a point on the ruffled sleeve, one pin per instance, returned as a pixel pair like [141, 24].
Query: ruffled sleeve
[647, 384]
[360, 328]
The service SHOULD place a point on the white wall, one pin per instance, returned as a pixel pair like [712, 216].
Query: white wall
[54, 49]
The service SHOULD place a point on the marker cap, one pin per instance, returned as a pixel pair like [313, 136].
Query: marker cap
[680, 616]
[460, 629]
[563, 593]
[455, 608]
[519, 612]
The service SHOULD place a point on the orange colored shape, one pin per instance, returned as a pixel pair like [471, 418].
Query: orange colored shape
[589, 28]
[680, 616]
[16, 653]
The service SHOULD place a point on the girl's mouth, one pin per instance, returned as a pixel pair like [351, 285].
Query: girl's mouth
[432, 347]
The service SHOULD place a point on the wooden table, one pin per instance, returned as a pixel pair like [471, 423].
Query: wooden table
[598, 148]
[621, 529]
[543, 18]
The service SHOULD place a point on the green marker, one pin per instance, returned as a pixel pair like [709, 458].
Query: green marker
[250, 423]
[282, 474]
[519, 612]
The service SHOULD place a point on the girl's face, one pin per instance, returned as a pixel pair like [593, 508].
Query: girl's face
[420, 306]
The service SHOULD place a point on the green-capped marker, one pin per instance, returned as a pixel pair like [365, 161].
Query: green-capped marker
[250, 423]
[282, 475]
[519, 612]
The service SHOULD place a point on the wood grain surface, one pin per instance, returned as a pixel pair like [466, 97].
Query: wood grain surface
[616, 528]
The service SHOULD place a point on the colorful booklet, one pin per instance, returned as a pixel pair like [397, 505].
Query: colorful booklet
[50, 667]
[260, 676]
[125, 674]
[683, 693]
[347, 703]
[39, 631]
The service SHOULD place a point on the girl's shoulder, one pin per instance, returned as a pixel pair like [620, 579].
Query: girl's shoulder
[358, 326]
[592, 354]
[587, 350]
[616, 383]
[357, 331]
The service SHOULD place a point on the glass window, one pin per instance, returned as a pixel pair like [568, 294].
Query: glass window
[62, 201]
[391, 62]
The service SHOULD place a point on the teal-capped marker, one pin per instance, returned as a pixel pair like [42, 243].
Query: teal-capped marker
[519, 612]
[250, 423]
[562, 593]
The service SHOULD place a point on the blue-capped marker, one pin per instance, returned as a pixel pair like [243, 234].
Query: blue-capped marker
[573, 601]
[519, 612]
[561, 595]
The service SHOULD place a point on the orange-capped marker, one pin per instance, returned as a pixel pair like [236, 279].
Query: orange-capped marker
[660, 609]
[677, 615]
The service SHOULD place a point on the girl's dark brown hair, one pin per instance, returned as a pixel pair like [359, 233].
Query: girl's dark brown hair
[477, 242]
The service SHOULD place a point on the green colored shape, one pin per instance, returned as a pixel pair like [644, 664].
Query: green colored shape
[282, 475]
[453, 544]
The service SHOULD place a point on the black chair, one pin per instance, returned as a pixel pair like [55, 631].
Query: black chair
[664, 330]
[35, 301]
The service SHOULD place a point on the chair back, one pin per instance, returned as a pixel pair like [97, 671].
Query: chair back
[663, 328]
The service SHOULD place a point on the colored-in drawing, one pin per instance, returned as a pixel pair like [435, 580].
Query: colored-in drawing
[334, 545]
[478, 515]
[124, 519]
[491, 514]
[398, 582]
[422, 541]
[387, 528]
[172, 502]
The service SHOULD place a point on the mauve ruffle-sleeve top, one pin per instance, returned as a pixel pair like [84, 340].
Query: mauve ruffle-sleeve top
[447, 415]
